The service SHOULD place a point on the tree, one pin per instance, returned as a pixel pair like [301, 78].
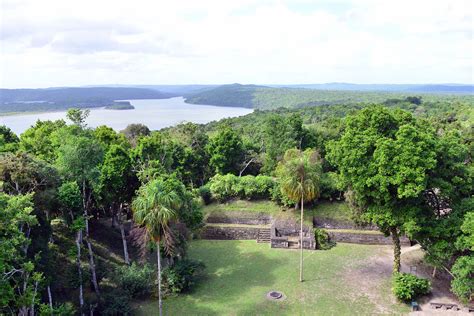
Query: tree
[78, 116]
[154, 208]
[385, 158]
[79, 158]
[117, 185]
[133, 132]
[40, 140]
[8, 140]
[19, 279]
[226, 151]
[299, 174]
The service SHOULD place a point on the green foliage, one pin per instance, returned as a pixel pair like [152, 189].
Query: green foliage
[42, 139]
[18, 272]
[463, 281]
[78, 116]
[299, 174]
[323, 240]
[69, 196]
[136, 281]
[205, 193]
[66, 309]
[408, 287]
[8, 140]
[115, 303]
[181, 276]
[229, 186]
[226, 151]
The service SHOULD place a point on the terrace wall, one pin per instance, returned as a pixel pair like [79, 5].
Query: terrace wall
[229, 233]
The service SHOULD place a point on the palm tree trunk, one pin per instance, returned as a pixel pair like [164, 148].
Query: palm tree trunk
[396, 249]
[301, 241]
[158, 257]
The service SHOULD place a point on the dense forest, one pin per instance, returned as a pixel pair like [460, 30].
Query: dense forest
[266, 98]
[403, 164]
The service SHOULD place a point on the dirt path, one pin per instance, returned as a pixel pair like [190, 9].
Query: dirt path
[370, 278]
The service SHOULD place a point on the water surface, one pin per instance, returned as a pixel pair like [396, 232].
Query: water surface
[155, 114]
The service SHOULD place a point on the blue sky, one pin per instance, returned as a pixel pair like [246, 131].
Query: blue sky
[72, 43]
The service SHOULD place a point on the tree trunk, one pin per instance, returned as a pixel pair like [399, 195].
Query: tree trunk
[158, 258]
[301, 241]
[92, 267]
[396, 249]
[434, 273]
[124, 240]
[78, 261]
[50, 299]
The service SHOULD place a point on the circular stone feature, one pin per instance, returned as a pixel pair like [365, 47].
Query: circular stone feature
[275, 296]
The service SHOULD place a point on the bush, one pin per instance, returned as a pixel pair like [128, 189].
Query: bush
[205, 193]
[280, 198]
[223, 187]
[135, 281]
[181, 276]
[66, 309]
[248, 187]
[115, 303]
[463, 282]
[323, 241]
[407, 287]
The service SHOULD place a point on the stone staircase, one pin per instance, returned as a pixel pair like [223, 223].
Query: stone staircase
[263, 235]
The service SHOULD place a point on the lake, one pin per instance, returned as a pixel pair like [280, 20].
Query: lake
[155, 114]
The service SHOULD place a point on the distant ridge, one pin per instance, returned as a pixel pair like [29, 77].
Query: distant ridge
[20, 100]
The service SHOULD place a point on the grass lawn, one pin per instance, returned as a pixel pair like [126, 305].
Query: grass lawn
[243, 206]
[340, 281]
[338, 211]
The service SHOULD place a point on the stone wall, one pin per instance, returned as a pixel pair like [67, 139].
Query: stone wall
[368, 239]
[257, 219]
[229, 233]
[330, 223]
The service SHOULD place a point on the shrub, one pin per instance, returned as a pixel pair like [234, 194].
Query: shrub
[134, 280]
[115, 303]
[66, 309]
[463, 282]
[329, 186]
[205, 193]
[248, 187]
[181, 276]
[279, 198]
[323, 241]
[407, 287]
[223, 186]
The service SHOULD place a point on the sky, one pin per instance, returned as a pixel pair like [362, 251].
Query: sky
[51, 43]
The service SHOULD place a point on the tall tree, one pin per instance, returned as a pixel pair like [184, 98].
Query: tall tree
[226, 151]
[117, 185]
[299, 174]
[79, 159]
[385, 158]
[154, 208]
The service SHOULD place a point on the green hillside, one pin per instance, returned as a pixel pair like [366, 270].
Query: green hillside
[267, 98]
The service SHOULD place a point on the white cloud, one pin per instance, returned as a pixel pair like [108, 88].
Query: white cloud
[58, 43]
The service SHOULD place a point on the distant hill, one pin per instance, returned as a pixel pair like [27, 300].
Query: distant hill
[178, 90]
[422, 88]
[21, 100]
[235, 95]
[264, 97]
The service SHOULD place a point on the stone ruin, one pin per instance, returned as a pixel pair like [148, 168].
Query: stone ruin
[285, 233]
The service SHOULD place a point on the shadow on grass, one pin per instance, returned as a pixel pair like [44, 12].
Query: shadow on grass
[236, 272]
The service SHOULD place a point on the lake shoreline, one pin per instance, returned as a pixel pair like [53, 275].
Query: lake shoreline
[155, 113]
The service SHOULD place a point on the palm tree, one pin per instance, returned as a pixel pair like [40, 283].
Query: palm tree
[154, 208]
[299, 174]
